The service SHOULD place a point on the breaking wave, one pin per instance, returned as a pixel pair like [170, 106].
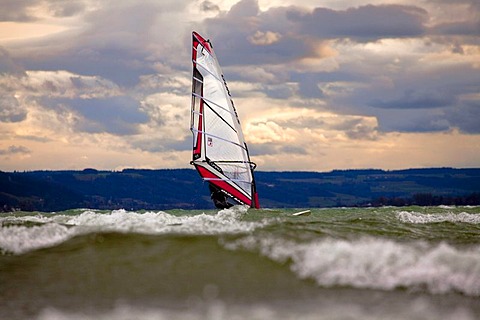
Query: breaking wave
[418, 217]
[336, 257]
[57, 228]
[375, 263]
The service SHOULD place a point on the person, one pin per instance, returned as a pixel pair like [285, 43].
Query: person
[219, 198]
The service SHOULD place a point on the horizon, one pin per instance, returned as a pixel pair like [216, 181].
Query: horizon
[280, 171]
[344, 85]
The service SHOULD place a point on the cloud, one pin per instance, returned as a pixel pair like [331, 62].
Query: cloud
[167, 128]
[417, 99]
[16, 10]
[309, 81]
[32, 10]
[466, 117]
[264, 38]
[92, 104]
[466, 28]
[209, 6]
[303, 132]
[118, 40]
[8, 65]
[10, 109]
[282, 34]
[119, 115]
[364, 23]
[269, 149]
[60, 8]
[14, 150]
[249, 36]
[417, 121]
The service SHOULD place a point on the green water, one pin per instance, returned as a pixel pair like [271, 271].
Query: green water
[345, 263]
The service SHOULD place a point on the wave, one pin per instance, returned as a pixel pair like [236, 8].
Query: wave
[330, 257]
[375, 263]
[52, 230]
[422, 218]
[317, 310]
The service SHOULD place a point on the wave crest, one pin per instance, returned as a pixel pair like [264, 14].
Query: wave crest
[55, 229]
[375, 263]
[422, 218]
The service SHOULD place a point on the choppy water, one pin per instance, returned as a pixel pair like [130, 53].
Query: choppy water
[350, 263]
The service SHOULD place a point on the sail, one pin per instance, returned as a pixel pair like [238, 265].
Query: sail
[220, 153]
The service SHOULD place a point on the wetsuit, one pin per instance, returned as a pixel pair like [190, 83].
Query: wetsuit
[219, 198]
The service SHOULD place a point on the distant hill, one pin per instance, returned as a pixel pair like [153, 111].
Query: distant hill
[182, 188]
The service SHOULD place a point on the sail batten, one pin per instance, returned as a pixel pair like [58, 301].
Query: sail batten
[196, 79]
[229, 141]
[209, 101]
[220, 153]
[210, 72]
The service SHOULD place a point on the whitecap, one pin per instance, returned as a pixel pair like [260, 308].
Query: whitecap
[375, 263]
[422, 218]
[20, 239]
[58, 228]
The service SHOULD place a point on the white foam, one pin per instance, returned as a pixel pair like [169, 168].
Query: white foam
[418, 217]
[226, 221]
[375, 263]
[20, 239]
[59, 228]
[419, 308]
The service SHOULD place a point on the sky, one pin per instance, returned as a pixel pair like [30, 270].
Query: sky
[318, 85]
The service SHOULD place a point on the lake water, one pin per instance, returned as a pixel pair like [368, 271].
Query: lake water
[341, 263]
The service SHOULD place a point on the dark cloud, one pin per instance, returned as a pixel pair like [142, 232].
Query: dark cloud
[308, 87]
[209, 6]
[261, 149]
[278, 91]
[8, 65]
[22, 10]
[357, 129]
[363, 23]
[115, 42]
[65, 8]
[35, 138]
[14, 150]
[463, 25]
[151, 144]
[117, 115]
[234, 36]
[16, 10]
[462, 28]
[291, 149]
[303, 122]
[246, 35]
[10, 109]
[423, 120]
[420, 95]
[417, 99]
[465, 117]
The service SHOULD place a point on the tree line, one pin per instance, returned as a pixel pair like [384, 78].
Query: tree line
[135, 189]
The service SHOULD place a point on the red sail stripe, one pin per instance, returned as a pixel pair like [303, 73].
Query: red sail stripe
[204, 42]
[205, 173]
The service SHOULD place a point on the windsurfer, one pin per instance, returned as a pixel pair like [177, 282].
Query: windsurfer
[219, 198]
